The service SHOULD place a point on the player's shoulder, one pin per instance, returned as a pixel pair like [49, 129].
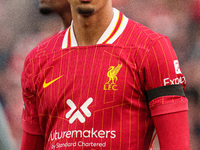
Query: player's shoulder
[48, 46]
[141, 34]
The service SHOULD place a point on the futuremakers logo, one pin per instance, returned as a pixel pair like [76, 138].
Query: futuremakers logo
[77, 114]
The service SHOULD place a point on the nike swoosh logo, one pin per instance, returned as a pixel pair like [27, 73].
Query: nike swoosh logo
[49, 83]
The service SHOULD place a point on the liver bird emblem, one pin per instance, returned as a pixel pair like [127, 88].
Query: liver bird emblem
[112, 73]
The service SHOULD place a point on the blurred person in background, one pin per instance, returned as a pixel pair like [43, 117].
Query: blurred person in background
[21, 32]
[148, 92]
[60, 7]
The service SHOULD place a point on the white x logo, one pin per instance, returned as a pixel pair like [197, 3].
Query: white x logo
[77, 114]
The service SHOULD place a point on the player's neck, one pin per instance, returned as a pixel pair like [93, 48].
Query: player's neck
[88, 30]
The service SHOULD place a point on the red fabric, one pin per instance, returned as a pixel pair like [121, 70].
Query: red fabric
[32, 142]
[57, 82]
[173, 131]
[168, 104]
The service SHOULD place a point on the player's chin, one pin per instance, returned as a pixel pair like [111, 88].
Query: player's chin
[85, 11]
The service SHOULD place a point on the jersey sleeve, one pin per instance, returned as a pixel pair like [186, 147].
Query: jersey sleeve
[30, 119]
[36, 142]
[163, 80]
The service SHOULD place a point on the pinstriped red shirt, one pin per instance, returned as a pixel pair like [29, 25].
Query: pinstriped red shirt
[101, 96]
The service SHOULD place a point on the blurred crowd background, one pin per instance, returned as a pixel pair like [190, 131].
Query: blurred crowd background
[22, 27]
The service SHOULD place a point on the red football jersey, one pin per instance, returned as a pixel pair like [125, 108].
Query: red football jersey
[101, 96]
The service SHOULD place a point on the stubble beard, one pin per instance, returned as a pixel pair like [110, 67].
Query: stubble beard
[85, 12]
[45, 10]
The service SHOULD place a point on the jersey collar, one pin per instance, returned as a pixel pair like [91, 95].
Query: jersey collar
[114, 30]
